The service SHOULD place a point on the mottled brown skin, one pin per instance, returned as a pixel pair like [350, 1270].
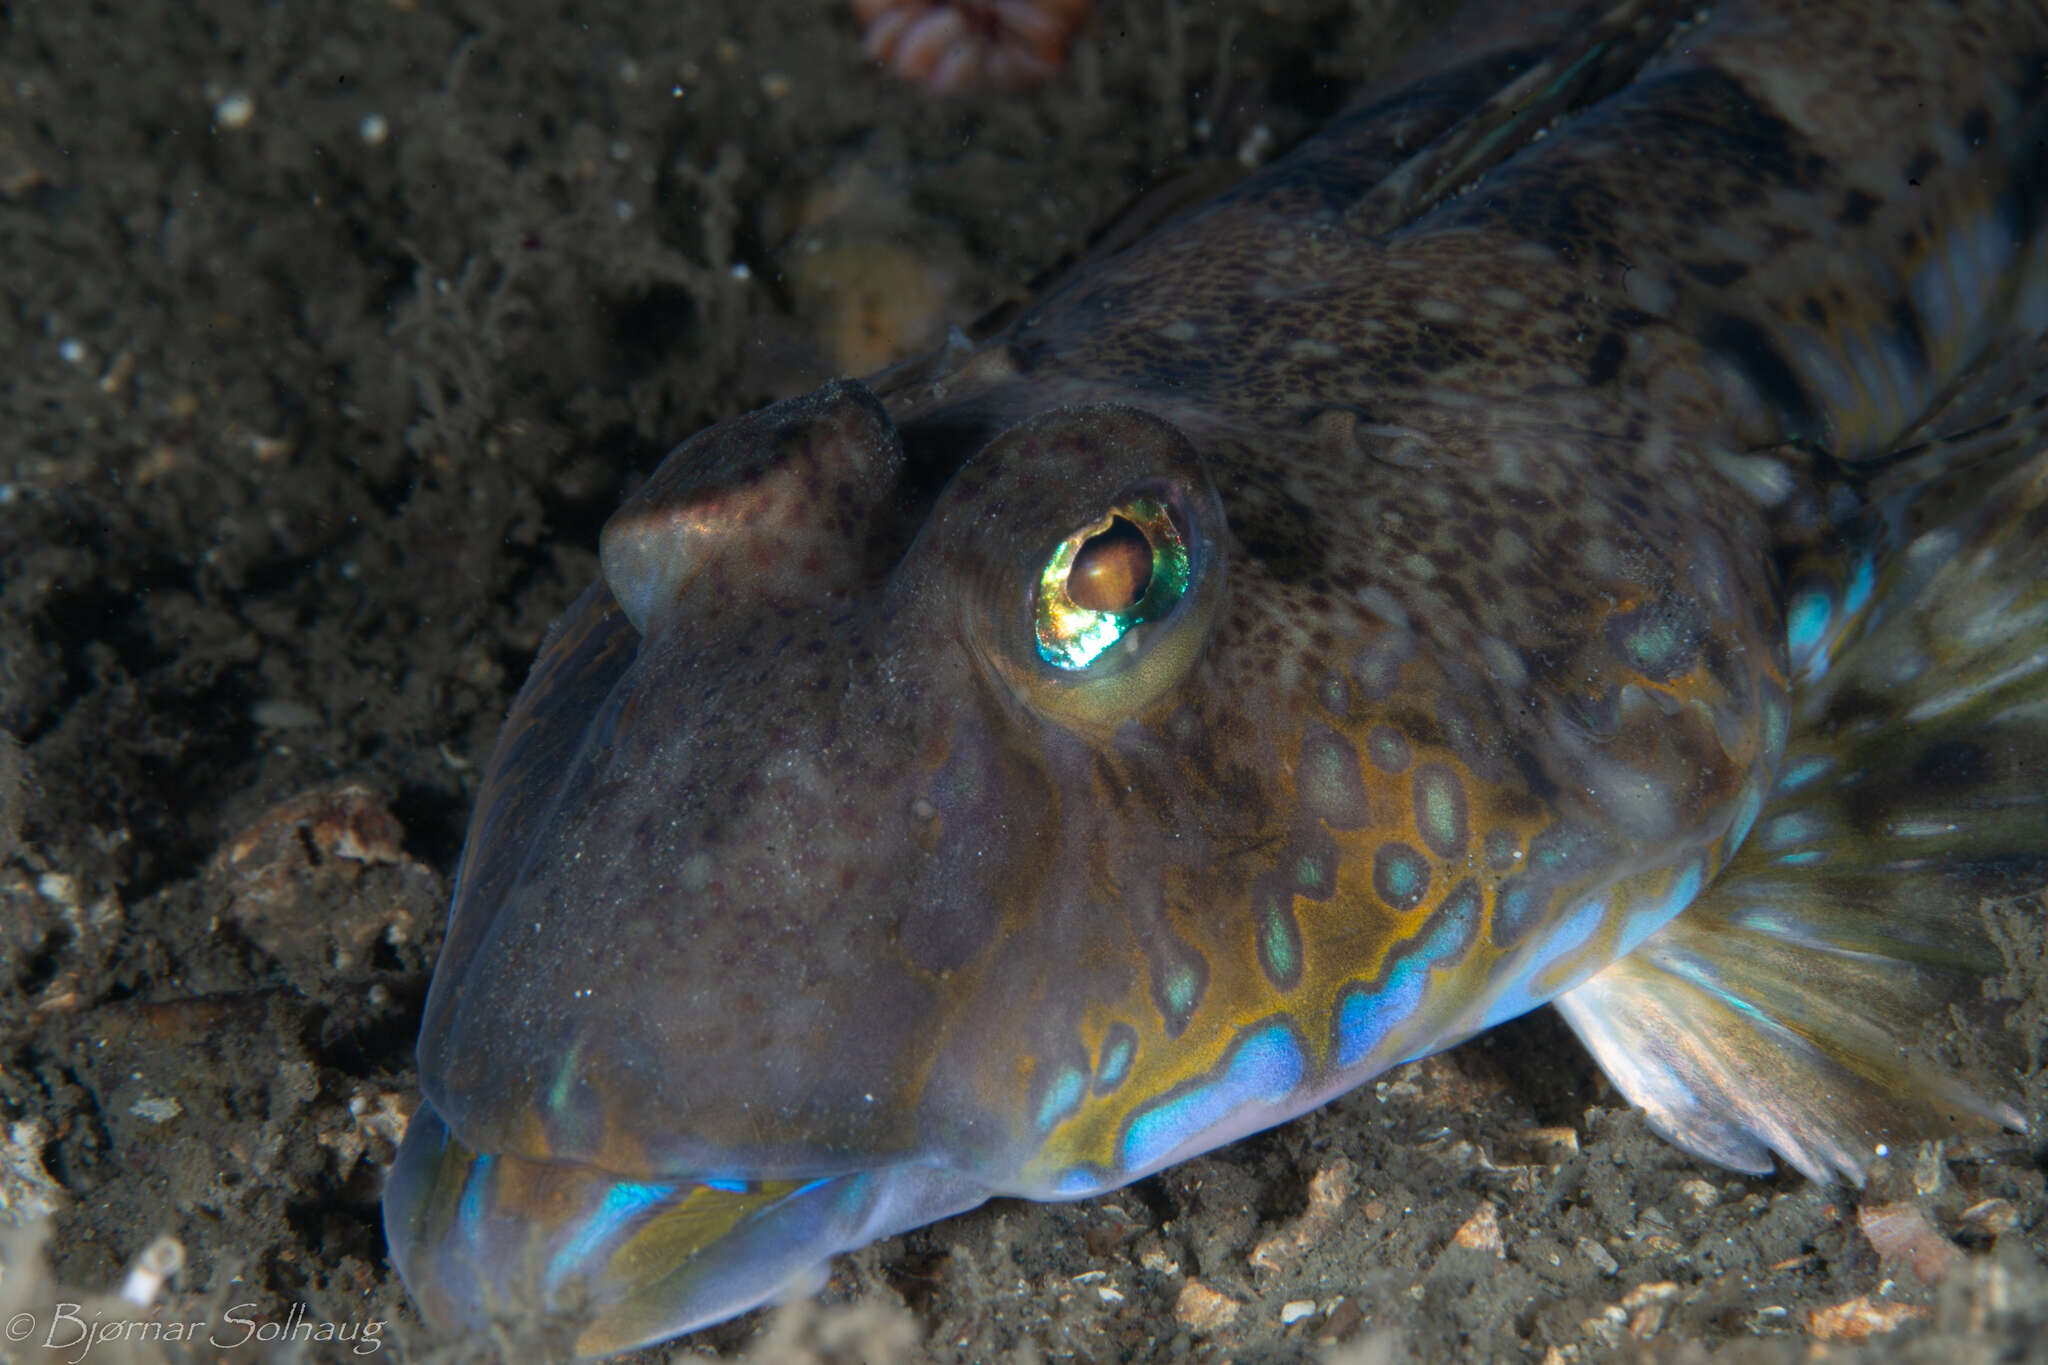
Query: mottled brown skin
[844, 874]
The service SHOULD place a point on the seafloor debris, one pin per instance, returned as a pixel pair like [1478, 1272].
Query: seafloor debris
[1902, 1233]
[319, 879]
[959, 46]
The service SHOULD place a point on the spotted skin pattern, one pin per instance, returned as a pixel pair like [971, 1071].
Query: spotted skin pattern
[805, 901]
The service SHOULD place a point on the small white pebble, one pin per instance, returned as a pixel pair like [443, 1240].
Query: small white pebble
[373, 130]
[1252, 152]
[234, 110]
[775, 85]
[740, 271]
[160, 1260]
[629, 71]
[624, 209]
[156, 1109]
[275, 713]
[71, 351]
[1294, 1310]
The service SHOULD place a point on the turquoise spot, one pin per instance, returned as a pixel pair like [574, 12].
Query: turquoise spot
[1502, 848]
[1558, 847]
[726, 1186]
[1389, 750]
[470, 1212]
[1061, 1098]
[1795, 828]
[1654, 645]
[1803, 772]
[1656, 640]
[1457, 920]
[1804, 858]
[1861, 583]
[1335, 695]
[1440, 810]
[1177, 986]
[1119, 1046]
[1332, 789]
[569, 1073]
[1400, 875]
[1309, 872]
[1280, 947]
[1515, 908]
[1806, 622]
[1745, 815]
[1264, 1067]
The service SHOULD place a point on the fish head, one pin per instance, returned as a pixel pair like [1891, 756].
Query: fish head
[794, 855]
[883, 834]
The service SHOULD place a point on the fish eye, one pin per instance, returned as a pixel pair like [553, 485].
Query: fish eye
[1130, 567]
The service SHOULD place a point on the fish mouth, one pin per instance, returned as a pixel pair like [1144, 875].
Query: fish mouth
[593, 1264]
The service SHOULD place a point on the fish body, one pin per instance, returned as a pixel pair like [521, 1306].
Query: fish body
[1395, 595]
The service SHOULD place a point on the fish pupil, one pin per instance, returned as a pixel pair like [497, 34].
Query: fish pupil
[1112, 570]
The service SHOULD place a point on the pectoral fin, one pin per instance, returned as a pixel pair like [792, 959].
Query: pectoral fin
[1772, 1015]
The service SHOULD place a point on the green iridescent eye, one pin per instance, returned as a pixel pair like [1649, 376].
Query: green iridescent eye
[1128, 568]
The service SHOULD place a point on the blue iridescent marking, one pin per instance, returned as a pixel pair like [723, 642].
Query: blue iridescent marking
[1745, 815]
[724, 1186]
[1365, 1016]
[623, 1202]
[1804, 858]
[1571, 934]
[1078, 1182]
[1263, 1068]
[1803, 772]
[1648, 919]
[1694, 973]
[1795, 828]
[1118, 1047]
[1061, 1097]
[1806, 622]
[1861, 584]
[471, 1211]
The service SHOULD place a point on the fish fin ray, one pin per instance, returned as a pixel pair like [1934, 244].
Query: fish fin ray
[1594, 60]
[1773, 1015]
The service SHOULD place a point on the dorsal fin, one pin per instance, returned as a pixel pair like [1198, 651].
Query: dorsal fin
[1589, 63]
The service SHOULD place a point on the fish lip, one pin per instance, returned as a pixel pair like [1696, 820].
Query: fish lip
[485, 1241]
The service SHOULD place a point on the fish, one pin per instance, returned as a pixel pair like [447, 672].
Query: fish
[1572, 532]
